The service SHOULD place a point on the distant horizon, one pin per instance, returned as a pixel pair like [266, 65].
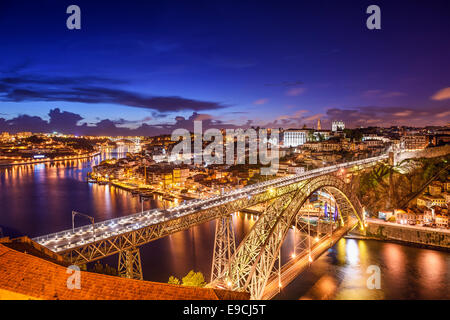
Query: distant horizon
[58, 116]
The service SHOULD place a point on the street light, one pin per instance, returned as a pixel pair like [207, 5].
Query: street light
[74, 213]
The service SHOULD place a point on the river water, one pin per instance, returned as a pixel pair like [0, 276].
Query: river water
[38, 199]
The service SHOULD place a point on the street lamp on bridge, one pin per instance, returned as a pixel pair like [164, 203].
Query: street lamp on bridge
[74, 213]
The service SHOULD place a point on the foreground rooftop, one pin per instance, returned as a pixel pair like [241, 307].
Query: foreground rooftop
[25, 276]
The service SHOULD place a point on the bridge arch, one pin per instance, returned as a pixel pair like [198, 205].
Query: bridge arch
[250, 267]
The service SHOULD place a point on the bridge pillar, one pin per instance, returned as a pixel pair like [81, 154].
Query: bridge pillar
[224, 246]
[130, 264]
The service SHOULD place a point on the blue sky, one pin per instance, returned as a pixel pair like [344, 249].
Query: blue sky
[268, 63]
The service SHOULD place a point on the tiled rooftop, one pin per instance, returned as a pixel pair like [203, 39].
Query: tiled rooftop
[28, 277]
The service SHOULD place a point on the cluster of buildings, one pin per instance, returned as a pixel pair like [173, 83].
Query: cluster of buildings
[26, 147]
[409, 139]
[339, 143]
[431, 209]
[140, 171]
[299, 150]
[9, 137]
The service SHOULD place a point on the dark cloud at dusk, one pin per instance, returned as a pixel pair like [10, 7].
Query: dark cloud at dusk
[386, 116]
[25, 89]
[71, 123]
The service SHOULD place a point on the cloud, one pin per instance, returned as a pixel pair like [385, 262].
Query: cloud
[261, 101]
[124, 122]
[405, 113]
[442, 94]
[314, 117]
[284, 84]
[295, 91]
[24, 123]
[295, 120]
[300, 113]
[371, 93]
[443, 114]
[393, 94]
[92, 90]
[61, 120]
[202, 117]
[26, 80]
[382, 94]
[389, 116]
[69, 123]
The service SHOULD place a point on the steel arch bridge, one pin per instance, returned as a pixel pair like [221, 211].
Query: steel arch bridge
[252, 264]
[124, 235]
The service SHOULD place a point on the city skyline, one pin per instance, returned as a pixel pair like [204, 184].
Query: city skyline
[224, 150]
[148, 69]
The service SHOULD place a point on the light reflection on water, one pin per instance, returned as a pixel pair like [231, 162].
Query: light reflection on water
[341, 273]
[38, 199]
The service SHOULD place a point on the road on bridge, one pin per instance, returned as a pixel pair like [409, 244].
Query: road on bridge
[298, 264]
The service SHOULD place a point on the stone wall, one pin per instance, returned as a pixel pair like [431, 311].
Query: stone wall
[382, 231]
[426, 153]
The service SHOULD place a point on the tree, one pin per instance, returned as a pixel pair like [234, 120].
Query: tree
[311, 136]
[194, 279]
[108, 270]
[173, 280]
[353, 134]
[34, 140]
[320, 137]
[387, 187]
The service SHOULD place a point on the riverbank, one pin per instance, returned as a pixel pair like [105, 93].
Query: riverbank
[60, 159]
[421, 237]
[147, 192]
[404, 243]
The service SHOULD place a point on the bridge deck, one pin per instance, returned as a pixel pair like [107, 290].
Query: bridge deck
[298, 264]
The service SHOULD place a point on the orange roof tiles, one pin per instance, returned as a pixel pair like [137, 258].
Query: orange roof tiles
[25, 276]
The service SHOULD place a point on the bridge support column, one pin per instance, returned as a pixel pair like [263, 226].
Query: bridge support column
[224, 246]
[130, 264]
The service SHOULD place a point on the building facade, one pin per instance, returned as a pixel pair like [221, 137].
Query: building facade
[294, 138]
[337, 125]
[414, 142]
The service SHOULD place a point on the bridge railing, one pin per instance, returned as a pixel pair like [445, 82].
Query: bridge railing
[89, 227]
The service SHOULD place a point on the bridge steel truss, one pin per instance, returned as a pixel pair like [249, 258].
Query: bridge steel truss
[224, 246]
[112, 245]
[252, 264]
[252, 261]
[130, 264]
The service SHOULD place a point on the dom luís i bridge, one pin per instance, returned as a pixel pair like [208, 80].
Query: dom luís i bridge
[254, 265]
